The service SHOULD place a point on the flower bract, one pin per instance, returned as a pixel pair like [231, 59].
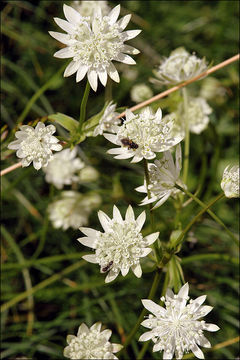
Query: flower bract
[91, 343]
[35, 144]
[109, 121]
[121, 245]
[142, 135]
[179, 327]
[94, 44]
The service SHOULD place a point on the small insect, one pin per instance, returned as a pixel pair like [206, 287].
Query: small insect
[129, 143]
[107, 267]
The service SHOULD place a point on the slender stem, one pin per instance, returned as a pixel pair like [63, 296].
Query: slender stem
[83, 106]
[189, 225]
[187, 136]
[177, 87]
[144, 311]
[11, 168]
[215, 217]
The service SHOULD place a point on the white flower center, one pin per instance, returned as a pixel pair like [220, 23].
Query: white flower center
[122, 245]
[36, 145]
[89, 346]
[98, 47]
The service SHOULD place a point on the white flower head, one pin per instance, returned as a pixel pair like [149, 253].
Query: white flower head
[198, 112]
[230, 181]
[88, 8]
[109, 121]
[142, 135]
[88, 174]
[163, 176]
[141, 92]
[120, 246]
[178, 67]
[93, 45]
[35, 144]
[91, 343]
[178, 328]
[63, 168]
[72, 209]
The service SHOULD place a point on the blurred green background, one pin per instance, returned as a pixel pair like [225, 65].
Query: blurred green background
[33, 252]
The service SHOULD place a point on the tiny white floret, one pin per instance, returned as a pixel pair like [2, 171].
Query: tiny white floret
[230, 181]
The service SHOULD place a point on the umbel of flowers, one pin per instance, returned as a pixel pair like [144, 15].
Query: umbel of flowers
[93, 43]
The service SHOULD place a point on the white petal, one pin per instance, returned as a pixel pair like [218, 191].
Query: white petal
[126, 59]
[116, 347]
[157, 347]
[141, 189]
[137, 158]
[103, 76]
[81, 72]
[117, 151]
[178, 158]
[14, 145]
[123, 22]
[198, 302]
[83, 329]
[71, 68]
[63, 38]
[130, 50]
[64, 53]
[130, 34]
[141, 220]
[169, 293]
[37, 164]
[204, 310]
[107, 334]
[153, 307]
[124, 271]
[111, 276]
[183, 292]
[137, 270]
[87, 241]
[129, 214]
[197, 352]
[145, 252]
[90, 258]
[20, 153]
[202, 341]
[168, 355]
[93, 79]
[123, 156]
[116, 214]
[151, 238]
[104, 220]
[114, 14]
[112, 72]
[71, 14]
[146, 336]
[129, 114]
[162, 200]
[211, 327]
[88, 231]
[65, 25]
[111, 137]
[96, 326]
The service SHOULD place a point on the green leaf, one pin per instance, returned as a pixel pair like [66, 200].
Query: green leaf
[92, 122]
[65, 121]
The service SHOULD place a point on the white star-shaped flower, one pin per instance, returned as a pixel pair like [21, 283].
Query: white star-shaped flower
[109, 121]
[91, 344]
[230, 181]
[94, 44]
[35, 144]
[121, 245]
[163, 175]
[178, 67]
[178, 328]
[142, 135]
[63, 167]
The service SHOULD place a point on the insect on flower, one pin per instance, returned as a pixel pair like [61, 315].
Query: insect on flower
[129, 143]
[107, 267]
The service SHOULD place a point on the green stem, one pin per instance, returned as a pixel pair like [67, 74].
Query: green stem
[144, 311]
[83, 106]
[189, 225]
[215, 217]
[187, 136]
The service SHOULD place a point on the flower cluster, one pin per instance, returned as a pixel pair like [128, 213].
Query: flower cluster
[91, 344]
[87, 8]
[109, 121]
[178, 67]
[230, 181]
[120, 246]
[35, 144]
[163, 175]
[141, 92]
[142, 135]
[178, 328]
[94, 44]
[63, 168]
[72, 209]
